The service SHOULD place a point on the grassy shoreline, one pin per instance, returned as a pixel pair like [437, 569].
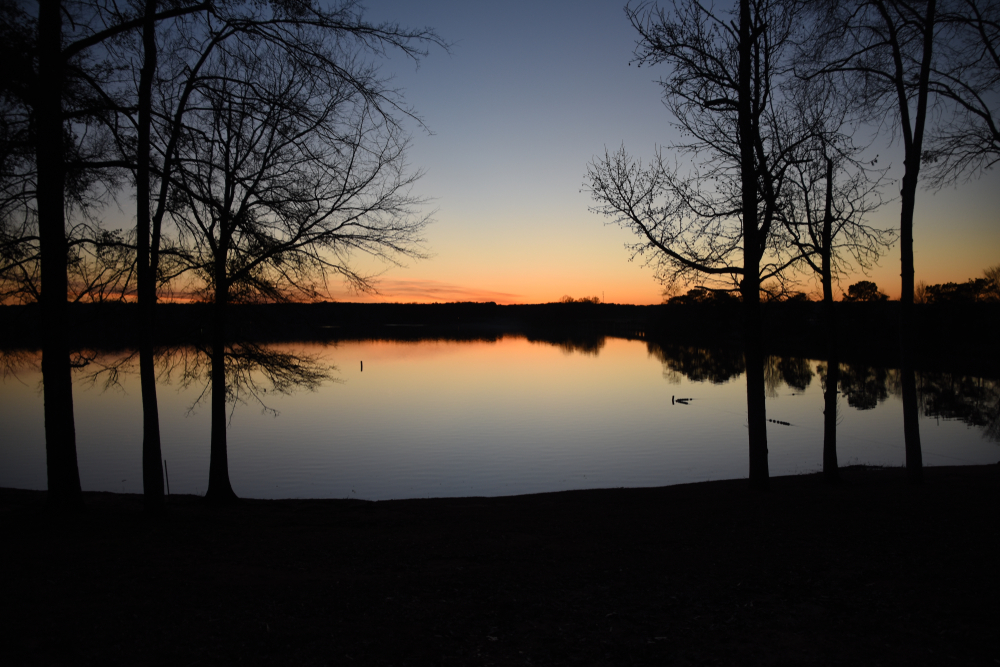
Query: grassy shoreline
[872, 571]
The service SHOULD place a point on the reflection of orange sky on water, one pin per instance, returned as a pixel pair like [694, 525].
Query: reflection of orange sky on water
[446, 358]
[516, 349]
[434, 365]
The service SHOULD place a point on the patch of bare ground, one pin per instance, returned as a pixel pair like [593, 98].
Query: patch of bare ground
[873, 571]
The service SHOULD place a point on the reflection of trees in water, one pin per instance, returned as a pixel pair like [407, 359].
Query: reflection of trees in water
[864, 386]
[975, 401]
[585, 346]
[795, 372]
[253, 370]
[13, 362]
[972, 400]
[697, 364]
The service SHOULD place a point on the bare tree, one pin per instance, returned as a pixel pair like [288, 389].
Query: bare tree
[65, 116]
[718, 220]
[966, 75]
[284, 170]
[67, 110]
[18, 222]
[163, 44]
[59, 105]
[883, 52]
[829, 193]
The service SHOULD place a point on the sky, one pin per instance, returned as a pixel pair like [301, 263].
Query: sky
[529, 94]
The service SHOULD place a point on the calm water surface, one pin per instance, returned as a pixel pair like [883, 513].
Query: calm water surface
[437, 418]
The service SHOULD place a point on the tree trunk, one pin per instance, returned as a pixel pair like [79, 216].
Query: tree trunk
[831, 472]
[756, 407]
[152, 467]
[908, 194]
[219, 488]
[750, 288]
[911, 427]
[57, 380]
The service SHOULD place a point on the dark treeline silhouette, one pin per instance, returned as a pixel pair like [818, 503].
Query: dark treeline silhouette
[949, 338]
[974, 290]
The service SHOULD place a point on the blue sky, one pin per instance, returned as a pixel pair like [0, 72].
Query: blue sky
[529, 94]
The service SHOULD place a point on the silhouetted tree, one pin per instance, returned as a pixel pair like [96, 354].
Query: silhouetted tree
[830, 192]
[726, 65]
[18, 220]
[70, 104]
[148, 233]
[65, 115]
[284, 170]
[172, 46]
[60, 105]
[864, 290]
[965, 73]
[885, 52]
[992, 290]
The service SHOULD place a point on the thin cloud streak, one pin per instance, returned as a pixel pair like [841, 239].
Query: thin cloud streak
[428, 291]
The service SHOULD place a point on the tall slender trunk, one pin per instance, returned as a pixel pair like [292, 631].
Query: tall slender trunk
[911, 426]
[908, 194]
[57, 380]
[831, 472]
[756, 409]
[152, 470]
[220, 490]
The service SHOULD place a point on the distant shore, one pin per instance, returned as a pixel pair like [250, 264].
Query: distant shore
[955, 338]
[871, 571]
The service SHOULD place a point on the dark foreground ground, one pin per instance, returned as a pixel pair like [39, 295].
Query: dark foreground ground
[872, 572]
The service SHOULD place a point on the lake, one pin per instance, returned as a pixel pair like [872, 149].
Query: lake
[497, 417]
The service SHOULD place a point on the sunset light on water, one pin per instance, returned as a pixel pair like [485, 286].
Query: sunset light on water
[445, 418]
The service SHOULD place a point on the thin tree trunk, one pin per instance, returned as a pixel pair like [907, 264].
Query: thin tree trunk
[911, 426]
[831, 472]
[908, 194]
[756, 409]
[220, 490]
[57, 381]
[152, 467]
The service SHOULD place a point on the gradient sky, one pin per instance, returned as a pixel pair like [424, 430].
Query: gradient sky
[530, 93]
